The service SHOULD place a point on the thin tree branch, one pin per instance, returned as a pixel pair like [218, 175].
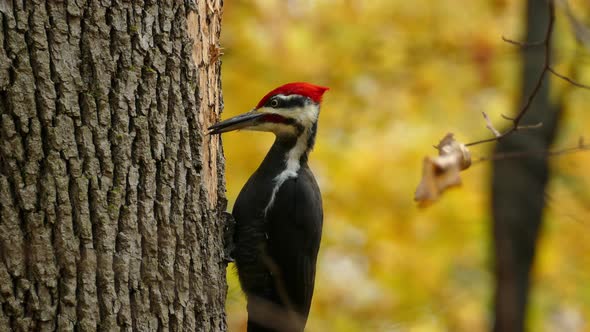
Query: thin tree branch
[546, 44]
[521, 44]
[542, 153]
[506, 117]
[489, 125]
[567, 79]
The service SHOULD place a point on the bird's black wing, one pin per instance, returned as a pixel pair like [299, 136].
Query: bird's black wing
[295, 227]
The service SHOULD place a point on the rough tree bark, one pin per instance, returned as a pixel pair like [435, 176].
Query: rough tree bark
[110, 191]
[518, 186]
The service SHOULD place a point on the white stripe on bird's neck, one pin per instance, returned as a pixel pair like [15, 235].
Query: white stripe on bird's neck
[306, 116]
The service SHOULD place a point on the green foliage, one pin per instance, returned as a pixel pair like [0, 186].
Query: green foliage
[403, 73]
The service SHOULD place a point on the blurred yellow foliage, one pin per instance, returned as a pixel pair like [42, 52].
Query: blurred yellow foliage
[402, 74]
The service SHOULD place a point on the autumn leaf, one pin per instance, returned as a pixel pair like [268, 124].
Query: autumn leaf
[442, 172]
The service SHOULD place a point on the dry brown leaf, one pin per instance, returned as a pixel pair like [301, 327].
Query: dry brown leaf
[442, 172]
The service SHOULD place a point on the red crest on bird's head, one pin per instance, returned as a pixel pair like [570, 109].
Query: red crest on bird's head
[313, 92]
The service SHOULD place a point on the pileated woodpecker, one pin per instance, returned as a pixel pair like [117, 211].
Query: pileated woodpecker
[279, 213]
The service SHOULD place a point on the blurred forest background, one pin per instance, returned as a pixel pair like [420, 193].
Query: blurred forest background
[402, 74]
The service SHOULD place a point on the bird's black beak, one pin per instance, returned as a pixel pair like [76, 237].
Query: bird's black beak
[241, 121]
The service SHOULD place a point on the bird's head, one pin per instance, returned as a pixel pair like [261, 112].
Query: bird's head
[290, 109]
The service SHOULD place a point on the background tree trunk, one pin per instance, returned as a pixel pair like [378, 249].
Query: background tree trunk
[110, 191]
[518, 186]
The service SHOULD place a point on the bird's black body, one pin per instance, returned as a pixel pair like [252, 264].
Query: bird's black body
[276, 247]
[279, 213]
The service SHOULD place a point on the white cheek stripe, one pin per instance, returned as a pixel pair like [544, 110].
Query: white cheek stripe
[306, 116]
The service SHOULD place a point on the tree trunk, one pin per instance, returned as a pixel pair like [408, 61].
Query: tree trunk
[518, 187]
[110, 191]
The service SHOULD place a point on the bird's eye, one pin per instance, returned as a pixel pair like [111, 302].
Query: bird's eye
[274, 103]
